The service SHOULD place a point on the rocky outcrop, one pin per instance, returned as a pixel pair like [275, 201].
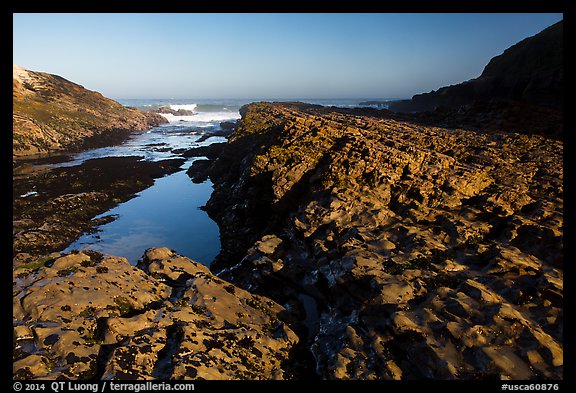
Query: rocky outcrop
[178, 112]
[89, 316]
[530, 71]
[51, 113]
[198, 171]
[406, 251]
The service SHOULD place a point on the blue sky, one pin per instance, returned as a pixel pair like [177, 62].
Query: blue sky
[267, 55]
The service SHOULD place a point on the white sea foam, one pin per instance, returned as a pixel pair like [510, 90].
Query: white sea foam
[188, 107]
[215, 116]
[202, 117]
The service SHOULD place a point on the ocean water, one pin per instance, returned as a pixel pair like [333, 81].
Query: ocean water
[223, 107]
[168, 213]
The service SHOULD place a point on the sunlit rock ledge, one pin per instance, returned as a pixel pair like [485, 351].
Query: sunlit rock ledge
[409, 251]
[85, 315]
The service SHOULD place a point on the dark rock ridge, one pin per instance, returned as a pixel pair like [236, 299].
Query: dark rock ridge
[228, 126]
[530, 71]
[381, 104]
[498, 115]
[51, 113]
[406, 251]
[198, 171]
[89, 316]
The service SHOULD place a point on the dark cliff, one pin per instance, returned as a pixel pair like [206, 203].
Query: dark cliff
[530, 71]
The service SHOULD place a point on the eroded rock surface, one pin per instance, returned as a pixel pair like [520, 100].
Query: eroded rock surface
[406, 251]
[84, 315]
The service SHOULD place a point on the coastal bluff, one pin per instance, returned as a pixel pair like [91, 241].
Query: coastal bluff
[52, 114]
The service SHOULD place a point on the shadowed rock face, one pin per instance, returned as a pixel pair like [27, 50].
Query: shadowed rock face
[51, 113]
[406, 251]
[82, 316]
[530, 71]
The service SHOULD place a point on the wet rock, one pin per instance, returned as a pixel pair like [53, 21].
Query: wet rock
[179, 112]
[211, 151]
[198, 171]
[228, 126]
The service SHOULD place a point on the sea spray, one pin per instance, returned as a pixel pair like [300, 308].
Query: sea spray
[186, 107]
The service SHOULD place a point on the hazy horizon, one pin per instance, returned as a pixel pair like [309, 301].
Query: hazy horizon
[267, 56]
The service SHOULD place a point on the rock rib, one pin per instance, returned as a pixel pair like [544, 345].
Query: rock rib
[423, 252]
